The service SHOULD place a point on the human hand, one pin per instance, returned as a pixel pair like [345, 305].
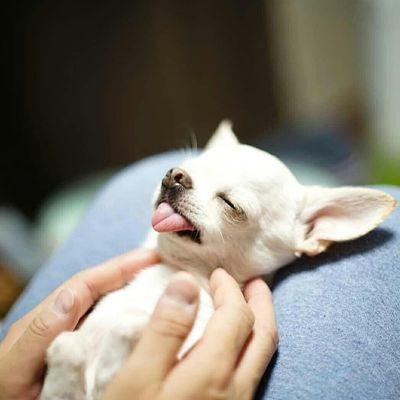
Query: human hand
[227, 363]
[23, 350]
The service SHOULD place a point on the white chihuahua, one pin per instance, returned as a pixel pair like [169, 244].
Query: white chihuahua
[233, 206]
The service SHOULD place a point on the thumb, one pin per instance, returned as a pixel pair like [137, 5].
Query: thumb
[30, 349]
[170, 324]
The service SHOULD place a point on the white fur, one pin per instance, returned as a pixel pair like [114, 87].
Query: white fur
[279, 220]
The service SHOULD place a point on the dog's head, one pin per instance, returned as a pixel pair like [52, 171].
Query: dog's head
[241, 208]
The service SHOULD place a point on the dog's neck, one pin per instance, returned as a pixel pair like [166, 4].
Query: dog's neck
[233, 259]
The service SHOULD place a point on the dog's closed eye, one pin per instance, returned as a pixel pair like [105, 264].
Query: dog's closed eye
[228, 202]
[233, 212]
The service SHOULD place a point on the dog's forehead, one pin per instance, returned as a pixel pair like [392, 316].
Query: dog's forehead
[240, 163]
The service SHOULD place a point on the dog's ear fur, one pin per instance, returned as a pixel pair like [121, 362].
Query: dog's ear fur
[338, 214]
[223, 136]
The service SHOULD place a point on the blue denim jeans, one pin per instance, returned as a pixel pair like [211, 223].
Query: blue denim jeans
[338, 313]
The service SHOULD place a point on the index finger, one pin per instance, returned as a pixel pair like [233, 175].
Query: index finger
[226, 332]
[113, 273]
[264, 340]
[90, 284]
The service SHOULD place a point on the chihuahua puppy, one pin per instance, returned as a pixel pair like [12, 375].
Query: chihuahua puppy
[234, 207]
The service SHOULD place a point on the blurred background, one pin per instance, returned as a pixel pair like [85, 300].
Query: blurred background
[91, 86]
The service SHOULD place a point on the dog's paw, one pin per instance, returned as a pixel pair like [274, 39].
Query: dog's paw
[117, 345]
[65, 369]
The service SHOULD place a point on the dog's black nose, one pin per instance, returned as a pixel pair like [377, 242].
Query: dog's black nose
[177, 176]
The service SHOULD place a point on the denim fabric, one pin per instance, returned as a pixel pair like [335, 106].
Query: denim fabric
[338, 313]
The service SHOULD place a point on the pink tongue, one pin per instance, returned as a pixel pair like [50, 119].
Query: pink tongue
[166, 219]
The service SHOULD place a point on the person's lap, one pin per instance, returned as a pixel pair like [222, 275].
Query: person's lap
[338, 313]
[338, 316]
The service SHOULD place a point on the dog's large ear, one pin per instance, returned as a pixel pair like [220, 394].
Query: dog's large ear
[223, 136]
[339, 214]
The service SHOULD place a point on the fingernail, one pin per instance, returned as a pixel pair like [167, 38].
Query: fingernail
[183, 289]
[64, 301]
